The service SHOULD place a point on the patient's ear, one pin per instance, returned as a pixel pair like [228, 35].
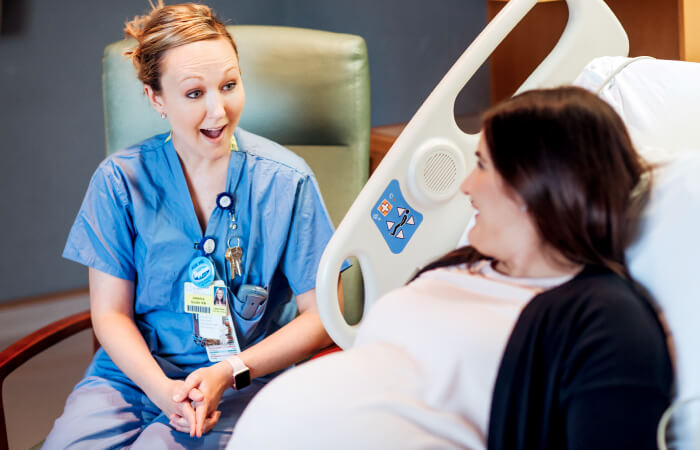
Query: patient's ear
[155, 99]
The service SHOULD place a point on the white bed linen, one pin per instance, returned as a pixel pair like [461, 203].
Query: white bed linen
[658, 100]
[420, 376]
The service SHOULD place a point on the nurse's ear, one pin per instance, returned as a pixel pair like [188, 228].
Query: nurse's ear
[155, 99]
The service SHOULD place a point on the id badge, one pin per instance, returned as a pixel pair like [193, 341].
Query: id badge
[213, 323]
[206, 300]
[219, 336]
[217, 353]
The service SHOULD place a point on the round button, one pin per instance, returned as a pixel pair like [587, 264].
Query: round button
[208, 245]
[202, 272]
[224, 200]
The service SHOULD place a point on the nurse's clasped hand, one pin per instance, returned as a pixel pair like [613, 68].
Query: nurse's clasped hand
[163, 396]
[202, 389]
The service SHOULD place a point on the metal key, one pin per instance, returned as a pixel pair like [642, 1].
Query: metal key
[233, 255]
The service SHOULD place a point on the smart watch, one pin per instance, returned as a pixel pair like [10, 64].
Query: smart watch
[241, 373]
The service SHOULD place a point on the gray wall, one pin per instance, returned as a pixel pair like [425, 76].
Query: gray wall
[51, 122]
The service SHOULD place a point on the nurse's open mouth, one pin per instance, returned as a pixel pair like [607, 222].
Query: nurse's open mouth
[212, 133]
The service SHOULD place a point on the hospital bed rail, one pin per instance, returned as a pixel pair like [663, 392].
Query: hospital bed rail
[420, 175]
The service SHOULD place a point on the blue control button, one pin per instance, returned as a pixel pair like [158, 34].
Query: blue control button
[395, 218]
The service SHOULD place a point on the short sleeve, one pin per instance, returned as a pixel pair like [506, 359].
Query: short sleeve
[309, 233]
[102, 235]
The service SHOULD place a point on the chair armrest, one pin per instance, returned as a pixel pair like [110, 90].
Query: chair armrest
[327, 350]
[31, 345]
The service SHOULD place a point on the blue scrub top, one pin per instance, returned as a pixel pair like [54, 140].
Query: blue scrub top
[137, 223]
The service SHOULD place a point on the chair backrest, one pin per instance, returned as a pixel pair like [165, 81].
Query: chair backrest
[305, 89]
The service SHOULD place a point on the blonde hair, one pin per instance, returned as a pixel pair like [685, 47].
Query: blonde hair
[167, 27]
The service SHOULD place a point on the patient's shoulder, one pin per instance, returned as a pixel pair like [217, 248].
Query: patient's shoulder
[594, 289]
[597, 312]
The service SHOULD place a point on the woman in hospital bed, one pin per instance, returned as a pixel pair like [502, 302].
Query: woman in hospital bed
[532, 337]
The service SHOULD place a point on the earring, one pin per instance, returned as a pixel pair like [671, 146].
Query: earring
[523, 207]
[163, 115]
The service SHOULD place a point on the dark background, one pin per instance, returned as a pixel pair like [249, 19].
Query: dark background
[51, 120]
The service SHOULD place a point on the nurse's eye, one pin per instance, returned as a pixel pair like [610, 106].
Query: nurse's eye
[480, 165]
[229, 86]
[195, 93]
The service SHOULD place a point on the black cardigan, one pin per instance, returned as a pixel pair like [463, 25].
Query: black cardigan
[586, 367]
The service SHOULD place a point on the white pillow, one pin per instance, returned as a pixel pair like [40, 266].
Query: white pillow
[658, 100]
[665, 259]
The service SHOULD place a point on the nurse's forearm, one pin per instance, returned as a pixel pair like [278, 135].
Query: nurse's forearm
[123, 342]
[111, 308]
[292, 343]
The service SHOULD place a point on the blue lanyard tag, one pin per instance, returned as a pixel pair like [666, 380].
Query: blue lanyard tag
[201, 271]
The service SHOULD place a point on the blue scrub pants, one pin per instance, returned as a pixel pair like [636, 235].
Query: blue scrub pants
[104, 413]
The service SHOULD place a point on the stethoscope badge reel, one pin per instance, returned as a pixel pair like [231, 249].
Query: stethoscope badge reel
[207, 245]
[224, 201]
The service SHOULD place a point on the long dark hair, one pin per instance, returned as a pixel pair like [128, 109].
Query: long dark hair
[568, 155]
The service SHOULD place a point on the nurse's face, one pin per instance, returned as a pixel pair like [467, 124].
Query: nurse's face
[202, 95]
[503, 229]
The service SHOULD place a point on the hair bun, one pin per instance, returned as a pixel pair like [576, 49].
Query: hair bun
[135, 29]
[167, 27]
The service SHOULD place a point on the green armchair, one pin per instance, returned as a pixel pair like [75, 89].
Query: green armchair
[305, 89]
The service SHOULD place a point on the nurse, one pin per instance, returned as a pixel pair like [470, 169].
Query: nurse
[171, 221]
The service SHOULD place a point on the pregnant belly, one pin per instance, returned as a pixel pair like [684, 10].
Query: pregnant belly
[366, 397]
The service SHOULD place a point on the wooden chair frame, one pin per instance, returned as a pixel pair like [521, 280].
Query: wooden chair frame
[31, 345]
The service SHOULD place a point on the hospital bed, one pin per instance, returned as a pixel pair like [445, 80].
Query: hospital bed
[411, 211]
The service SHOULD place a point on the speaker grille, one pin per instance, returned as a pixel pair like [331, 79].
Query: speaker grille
[439, 172]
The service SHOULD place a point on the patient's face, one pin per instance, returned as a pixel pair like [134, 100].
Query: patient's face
[503, 229]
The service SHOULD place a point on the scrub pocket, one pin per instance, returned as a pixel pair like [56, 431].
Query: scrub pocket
[249, 307]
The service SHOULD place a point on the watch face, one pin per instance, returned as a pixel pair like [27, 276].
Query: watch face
[241, 379]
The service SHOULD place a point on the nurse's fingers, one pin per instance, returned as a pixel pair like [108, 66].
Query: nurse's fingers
[196, 395]
[210, 421]
[201, 414]
[193, 380]
[180, 393]
[179, 423]
[189, 415]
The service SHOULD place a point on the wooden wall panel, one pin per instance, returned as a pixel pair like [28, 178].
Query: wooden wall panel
[525, 47]
[665, 29]
[690, 30]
